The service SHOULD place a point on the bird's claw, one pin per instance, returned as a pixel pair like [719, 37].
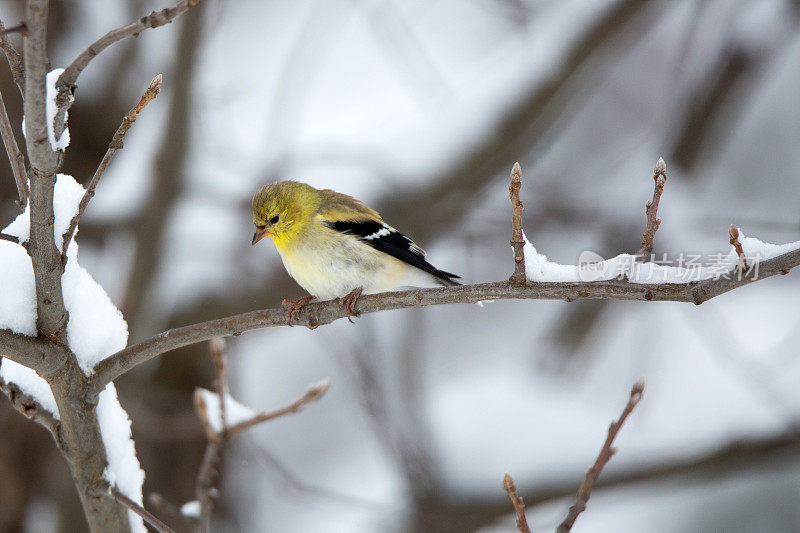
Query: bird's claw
[293, 307]
[349, 303]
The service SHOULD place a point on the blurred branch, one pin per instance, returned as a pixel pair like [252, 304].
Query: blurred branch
[516, 131]
[321, 313]
[146, 515]
[15, 157]
[606, 452]
[66, 82]
[113, 147]
[519, 505]
[651, 210]
[168, 172]
[208, 473]
[15, 62]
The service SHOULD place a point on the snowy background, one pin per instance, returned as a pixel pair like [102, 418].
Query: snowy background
[420, 108]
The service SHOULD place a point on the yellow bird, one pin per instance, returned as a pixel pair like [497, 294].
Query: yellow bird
[334, 246]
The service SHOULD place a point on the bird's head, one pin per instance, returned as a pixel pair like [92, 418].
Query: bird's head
[282, 209]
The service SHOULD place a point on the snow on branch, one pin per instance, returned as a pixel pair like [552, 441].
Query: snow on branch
[223, 417]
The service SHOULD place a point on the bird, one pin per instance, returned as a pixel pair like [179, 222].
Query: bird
[335, 246]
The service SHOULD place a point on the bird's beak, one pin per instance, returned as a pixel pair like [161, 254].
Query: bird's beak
[260, 234]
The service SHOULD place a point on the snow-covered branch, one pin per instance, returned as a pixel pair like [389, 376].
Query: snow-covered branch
[222, 417]
[321, 313]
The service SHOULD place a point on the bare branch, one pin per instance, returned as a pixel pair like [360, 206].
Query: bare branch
[651, 209]
[15, 62]
[9, 238]
[314, 392]
[519, 505]
[146, 515]
[15, 157]
[19, 28]
[517, 237]
[317, 314]
[115, 145]
[44, 357]
[734, 234]
[219, 354]
[66, 82]
[606, 452]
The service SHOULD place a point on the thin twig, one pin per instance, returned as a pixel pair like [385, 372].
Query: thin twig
[146, 515]
[15, 61]
[165, 506]
[7, 237]
[66, 82]
[15, 157]
[517, 236]
[317, 314]
[651, 210]
[519, 505]
[314, 392]
[22, 29]
[208, 474]
[115, 145]
[606, 452]
[219, 354]
[734, 234]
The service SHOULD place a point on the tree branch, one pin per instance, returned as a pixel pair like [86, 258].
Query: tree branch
[606, 452]
[519, 505]
[46, 259]
[44, 357]
[66, 82]
[115, 145]
[30, 408]
[15, 157]
[314, 392]
[208, 474]
[146, 515]
[651, 210]
[734, 234]
[15, 62]
[517, 236]
[320, 313]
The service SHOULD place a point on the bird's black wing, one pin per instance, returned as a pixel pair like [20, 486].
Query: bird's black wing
[388, 240]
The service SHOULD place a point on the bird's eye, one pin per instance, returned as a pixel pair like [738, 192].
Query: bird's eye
[274, 220]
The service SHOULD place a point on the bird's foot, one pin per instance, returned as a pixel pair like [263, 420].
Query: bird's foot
[349, 302]
[293, 307]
